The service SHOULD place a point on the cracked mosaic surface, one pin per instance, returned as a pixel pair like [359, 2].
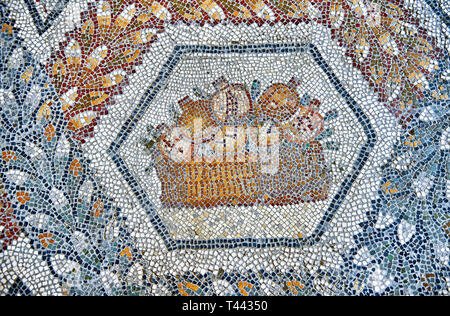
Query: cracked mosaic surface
[221, 147]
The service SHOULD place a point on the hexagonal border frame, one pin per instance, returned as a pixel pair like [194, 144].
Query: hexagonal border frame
[152, 91]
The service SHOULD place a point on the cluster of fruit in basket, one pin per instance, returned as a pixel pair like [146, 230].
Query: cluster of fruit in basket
[234, 117]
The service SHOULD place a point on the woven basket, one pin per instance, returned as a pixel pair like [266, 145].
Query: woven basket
[301, 177]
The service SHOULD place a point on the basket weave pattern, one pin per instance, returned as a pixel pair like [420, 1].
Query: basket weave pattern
[301, 177]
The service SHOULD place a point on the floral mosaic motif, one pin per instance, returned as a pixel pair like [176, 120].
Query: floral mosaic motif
[372, 33]
[49, 192]
[88, 237]
[91, 67]
[412, 210]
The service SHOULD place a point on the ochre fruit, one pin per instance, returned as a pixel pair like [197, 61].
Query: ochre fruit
[193, 110]
[278, 102]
